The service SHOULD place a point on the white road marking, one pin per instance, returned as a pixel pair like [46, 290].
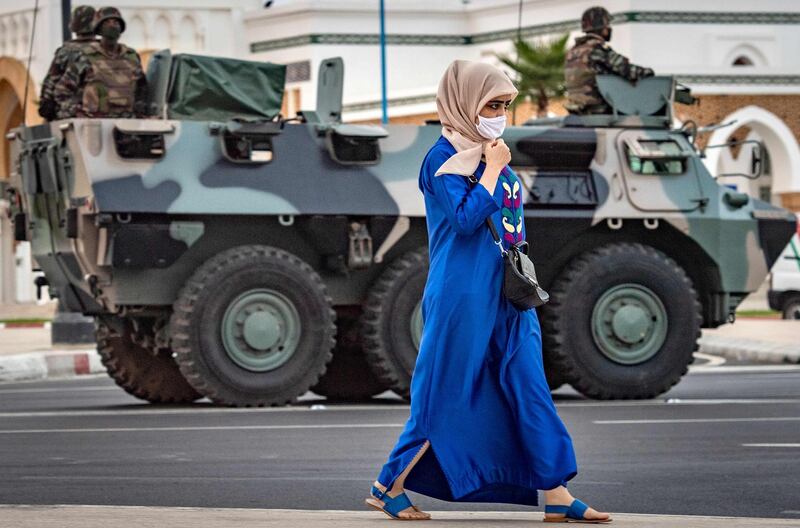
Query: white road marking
[770, 445]
[199, 428]
[369, 477]
[58, 389]
[743, 369]
[700, 420]
[155, 411]
[201, 410]
[681, 401]
[713, 361]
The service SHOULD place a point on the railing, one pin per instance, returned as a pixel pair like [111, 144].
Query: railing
[15, 33]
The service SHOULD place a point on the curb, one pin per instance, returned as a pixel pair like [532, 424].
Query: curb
[55, 364]
[750, 350]
[47, 325]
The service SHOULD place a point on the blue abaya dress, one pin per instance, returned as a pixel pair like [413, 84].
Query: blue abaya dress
[478, 391]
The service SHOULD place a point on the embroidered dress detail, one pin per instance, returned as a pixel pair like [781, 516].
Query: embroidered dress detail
[512, 208]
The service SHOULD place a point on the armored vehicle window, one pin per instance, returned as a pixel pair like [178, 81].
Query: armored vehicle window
[355, 144]
[139, 146]
[247, 148]
[247, 142]
[656, 157]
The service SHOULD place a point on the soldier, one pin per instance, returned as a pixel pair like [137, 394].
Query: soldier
[107, 79]
[592, 55]
[81, 23]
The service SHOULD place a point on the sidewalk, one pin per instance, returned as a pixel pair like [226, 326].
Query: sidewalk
[26, 353]
[758, 340]
[158, 517]
[28, 311]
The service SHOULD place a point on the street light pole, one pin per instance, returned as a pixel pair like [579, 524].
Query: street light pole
[384, 113]
[66, 13]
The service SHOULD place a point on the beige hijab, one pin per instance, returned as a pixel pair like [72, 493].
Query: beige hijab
[465, 88]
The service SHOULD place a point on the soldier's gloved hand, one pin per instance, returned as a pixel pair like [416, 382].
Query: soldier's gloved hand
[47, 109]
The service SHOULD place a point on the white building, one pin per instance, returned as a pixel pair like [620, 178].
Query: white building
[739, 56]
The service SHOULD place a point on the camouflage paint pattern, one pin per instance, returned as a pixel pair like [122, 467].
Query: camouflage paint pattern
[192, 199]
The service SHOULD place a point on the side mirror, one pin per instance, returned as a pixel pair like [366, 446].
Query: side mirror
[757, 160]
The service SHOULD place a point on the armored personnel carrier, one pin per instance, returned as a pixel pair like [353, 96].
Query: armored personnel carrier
[229, 253]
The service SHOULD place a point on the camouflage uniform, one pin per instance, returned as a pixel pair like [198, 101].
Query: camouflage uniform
[81, 24]
[102, 83]
[590, 56]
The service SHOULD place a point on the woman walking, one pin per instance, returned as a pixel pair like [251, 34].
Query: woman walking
[483, 426]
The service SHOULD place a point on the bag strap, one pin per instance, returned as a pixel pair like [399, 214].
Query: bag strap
[492, 229]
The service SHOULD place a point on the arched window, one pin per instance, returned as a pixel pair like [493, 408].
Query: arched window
[161, 36]
[135, 34]
[24, 35]
[187, 35]
[744, 55]
[12, 38]
[3, 37]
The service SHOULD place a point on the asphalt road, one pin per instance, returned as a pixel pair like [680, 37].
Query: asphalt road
[725, 441]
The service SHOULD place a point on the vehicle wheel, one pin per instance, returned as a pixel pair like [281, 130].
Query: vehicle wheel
[791, 308]
[151, 377]
[348, 377]
[555, 379]
[253, 326]
[392, 320]
[623, 322]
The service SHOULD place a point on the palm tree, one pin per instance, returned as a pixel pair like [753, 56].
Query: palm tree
[540, 69]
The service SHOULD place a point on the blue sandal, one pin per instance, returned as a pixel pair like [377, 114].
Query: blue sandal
[571, 514]
[392, 506]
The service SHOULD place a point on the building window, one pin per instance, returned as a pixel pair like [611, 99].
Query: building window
[765, 193]
[298, 71]
[743, 60]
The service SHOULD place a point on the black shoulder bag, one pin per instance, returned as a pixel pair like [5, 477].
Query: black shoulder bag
[520, 285]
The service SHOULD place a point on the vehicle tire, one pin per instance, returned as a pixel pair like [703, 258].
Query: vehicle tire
[348, 377]
[623, 322]
[147, 376]
[791, 308]
[253, 326]
[555, 379]
[391, 326]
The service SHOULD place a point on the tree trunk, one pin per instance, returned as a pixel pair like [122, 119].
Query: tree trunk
[542, 103]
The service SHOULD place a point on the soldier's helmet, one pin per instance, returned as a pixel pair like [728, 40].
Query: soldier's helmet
[595, 19]
[105, 13]
[82, 20]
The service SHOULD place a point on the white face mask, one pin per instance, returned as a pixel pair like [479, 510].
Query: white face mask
[491, 127]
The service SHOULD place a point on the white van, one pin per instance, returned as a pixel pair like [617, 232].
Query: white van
[784, 286]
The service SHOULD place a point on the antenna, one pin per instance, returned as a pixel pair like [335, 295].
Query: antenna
[28, 68]
[519, 38]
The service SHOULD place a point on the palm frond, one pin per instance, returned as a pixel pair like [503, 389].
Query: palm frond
[540, 68]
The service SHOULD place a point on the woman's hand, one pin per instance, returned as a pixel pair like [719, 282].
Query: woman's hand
[498, 155]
